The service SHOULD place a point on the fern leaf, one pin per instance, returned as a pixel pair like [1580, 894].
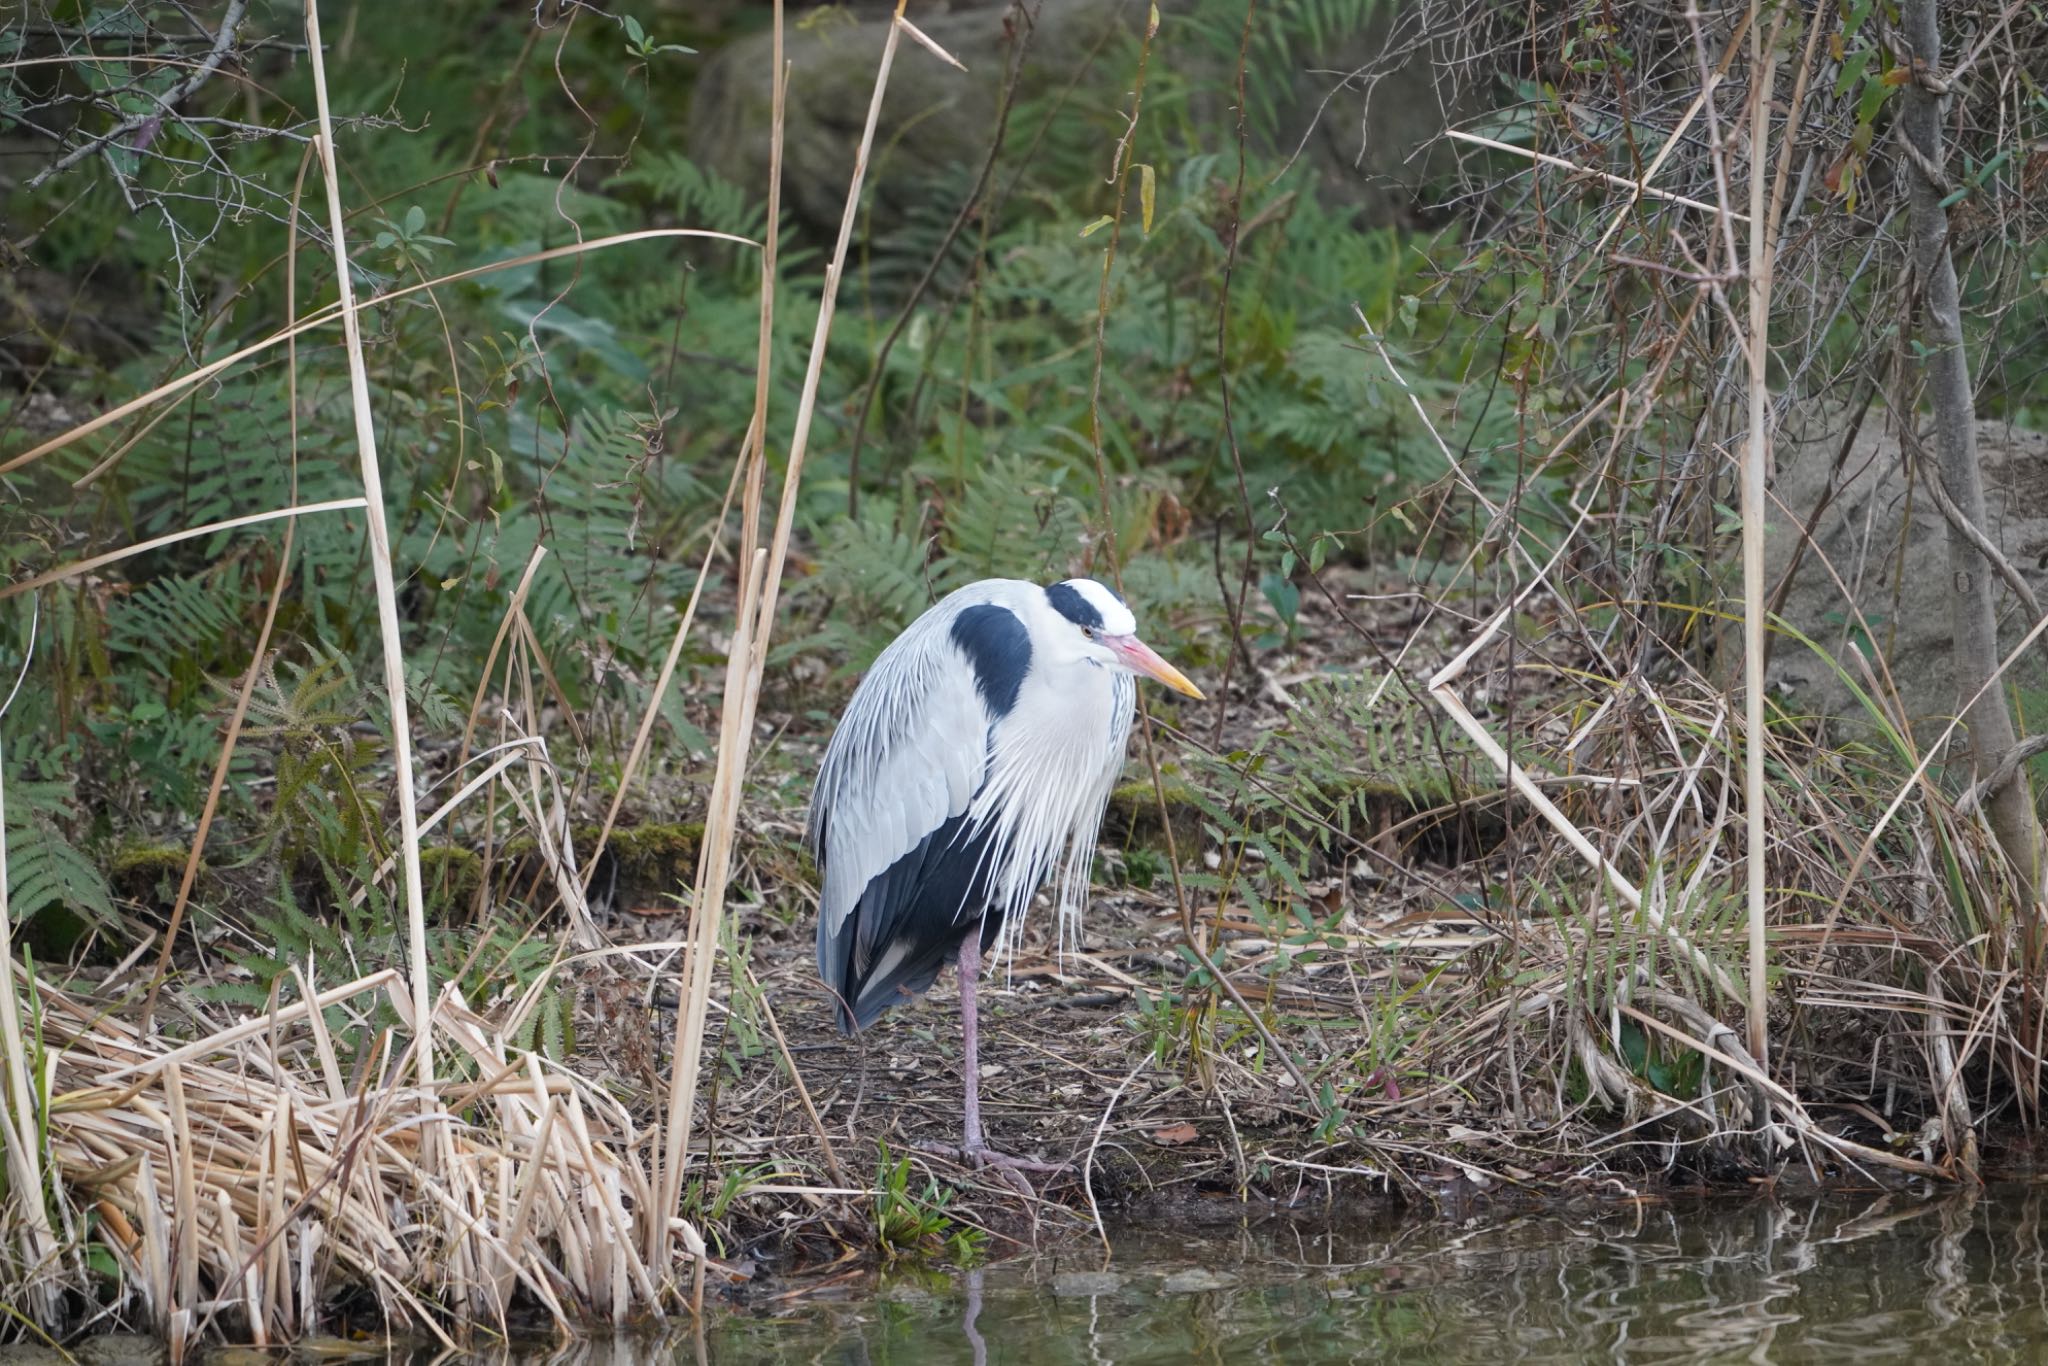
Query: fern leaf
[44, 868]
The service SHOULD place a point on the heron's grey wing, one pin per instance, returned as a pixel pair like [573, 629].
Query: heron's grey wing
[907, 759]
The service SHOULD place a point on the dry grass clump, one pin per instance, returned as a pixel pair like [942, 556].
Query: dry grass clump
[242, 1178]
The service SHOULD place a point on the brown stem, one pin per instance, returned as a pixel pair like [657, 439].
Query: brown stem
[1947, 367]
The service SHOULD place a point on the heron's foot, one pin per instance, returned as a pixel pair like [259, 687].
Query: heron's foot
[981, 1155]
[1011, 1169]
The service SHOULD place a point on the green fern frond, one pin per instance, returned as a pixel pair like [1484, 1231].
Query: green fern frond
[44, 868]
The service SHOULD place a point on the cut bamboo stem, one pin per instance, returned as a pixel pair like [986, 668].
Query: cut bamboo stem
[1755, 458]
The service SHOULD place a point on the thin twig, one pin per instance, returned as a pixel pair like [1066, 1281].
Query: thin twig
[223, 41]
[1621, 182]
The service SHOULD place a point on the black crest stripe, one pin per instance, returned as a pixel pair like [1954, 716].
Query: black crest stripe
[999, 648]
[1068, 602]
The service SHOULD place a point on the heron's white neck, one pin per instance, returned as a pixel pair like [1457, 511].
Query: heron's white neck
[1055, 756]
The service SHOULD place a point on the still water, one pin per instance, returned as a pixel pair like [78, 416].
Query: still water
[1897, 1277]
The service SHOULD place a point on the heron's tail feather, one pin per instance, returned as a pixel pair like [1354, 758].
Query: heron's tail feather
[904, 983]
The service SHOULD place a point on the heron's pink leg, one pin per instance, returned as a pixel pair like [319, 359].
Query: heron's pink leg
[970, 1050]
[974, 1146]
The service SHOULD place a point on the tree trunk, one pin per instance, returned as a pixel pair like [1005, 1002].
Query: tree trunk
[2011, 811]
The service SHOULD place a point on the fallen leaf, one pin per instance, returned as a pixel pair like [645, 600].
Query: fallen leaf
[1174, 1135]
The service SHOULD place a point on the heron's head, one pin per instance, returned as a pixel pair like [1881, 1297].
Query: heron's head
[1102, 631]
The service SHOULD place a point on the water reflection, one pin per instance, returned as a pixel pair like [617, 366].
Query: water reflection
[1885, 1278]
[1873, 1278]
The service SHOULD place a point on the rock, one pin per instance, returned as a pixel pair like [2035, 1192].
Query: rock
[1889, 544]
[936, 121]
[1082, 1284]
[129, 1349]
[1196, 1280]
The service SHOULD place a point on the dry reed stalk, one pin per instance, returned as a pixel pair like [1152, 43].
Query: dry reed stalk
[754, 453]
[721, 815]
[392, 641]
[1755, 459]
[214, 1043]
[785, 517]
[746, 665]
[26, 1176]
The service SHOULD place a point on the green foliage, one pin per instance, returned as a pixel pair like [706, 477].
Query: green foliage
[1701, 943]
[323, 808]
[874, 575]
[1158, 1020]
[286, 936]
[351, 928]
[744, 1036]
[708, 1210]
[506, 965]
[45, 870]
[586, 412]
[1674, 1070]
[915, 1224]
[1351, 746]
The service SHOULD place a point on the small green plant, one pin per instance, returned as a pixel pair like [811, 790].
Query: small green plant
[639, 44]
[1157, 1020]
[1143, 868]
[406, 243]
[1674, 1071]
[744, 1037]
[707, 1210]
[916, 1224]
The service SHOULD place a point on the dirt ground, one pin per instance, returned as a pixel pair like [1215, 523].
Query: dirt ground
[1082, 1065]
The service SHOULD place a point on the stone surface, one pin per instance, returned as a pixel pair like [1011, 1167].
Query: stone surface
[936, 122]
[1196, 1280]
[1083, 1284]
[1888, 542]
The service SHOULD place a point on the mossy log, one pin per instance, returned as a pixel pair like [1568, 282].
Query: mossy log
[1443, 816]
[641, 864]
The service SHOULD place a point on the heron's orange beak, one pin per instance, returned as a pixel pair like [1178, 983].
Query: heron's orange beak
[1139, 658]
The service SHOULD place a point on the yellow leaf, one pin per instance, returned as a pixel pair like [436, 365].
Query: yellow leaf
[1148, 195]
[1097, 226]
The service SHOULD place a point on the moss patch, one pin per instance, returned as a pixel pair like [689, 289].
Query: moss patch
[149, 873]
[450, 875]
[1133, 817]
[650, 861]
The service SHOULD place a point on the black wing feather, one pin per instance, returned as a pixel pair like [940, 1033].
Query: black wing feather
[923, 902]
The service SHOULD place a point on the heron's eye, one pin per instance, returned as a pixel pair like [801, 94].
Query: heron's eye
[1088, 631]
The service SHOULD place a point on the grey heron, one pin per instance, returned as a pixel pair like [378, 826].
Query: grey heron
[973, 762]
